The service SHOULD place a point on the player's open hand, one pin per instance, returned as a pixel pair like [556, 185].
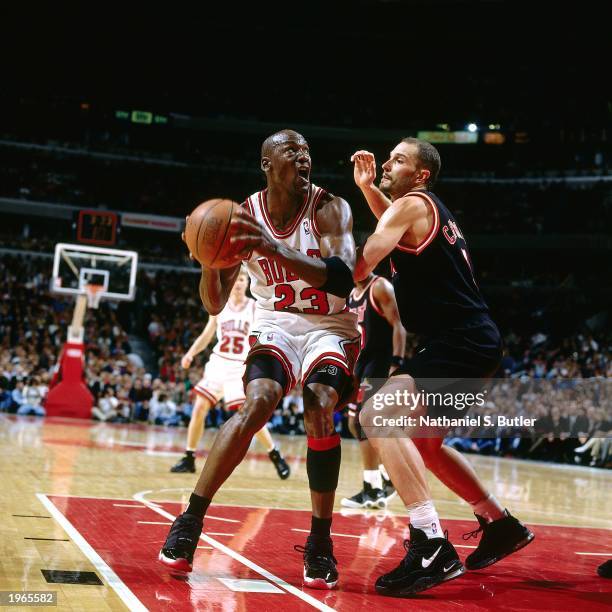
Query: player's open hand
[364, 170]
[248, 235]
[186, 361]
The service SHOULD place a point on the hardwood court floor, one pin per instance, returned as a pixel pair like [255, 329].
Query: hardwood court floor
[87, 497]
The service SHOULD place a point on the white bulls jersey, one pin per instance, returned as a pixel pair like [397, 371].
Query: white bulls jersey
[233, 328]
[277, 289]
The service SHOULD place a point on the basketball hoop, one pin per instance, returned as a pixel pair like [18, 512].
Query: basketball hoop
[94, 293]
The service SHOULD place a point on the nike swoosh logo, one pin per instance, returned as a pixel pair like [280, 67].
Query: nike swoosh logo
[427, 562]
[447, 568]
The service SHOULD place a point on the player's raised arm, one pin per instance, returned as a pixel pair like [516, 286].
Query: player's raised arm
[333, 272]
[408, 214]
[364, 173]
[201, 342]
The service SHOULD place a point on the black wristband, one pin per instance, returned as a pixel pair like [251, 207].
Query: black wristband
[398, 361]
[339, 277]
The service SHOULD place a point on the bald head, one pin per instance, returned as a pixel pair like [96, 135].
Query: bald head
[280, 138]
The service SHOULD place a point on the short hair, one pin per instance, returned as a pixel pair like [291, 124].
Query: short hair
[278, 138]
[428, 157]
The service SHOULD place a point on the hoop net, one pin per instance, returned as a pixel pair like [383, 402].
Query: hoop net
[94, 293]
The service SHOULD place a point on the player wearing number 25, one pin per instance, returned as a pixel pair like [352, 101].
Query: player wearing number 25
[300, 254]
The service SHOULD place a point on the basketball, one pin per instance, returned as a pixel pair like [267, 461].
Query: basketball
[207, 233]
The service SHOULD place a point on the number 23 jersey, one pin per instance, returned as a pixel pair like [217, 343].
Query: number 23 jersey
[277, 289]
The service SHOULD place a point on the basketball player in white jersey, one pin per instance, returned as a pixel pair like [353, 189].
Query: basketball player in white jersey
[223, 373]
[300, 251]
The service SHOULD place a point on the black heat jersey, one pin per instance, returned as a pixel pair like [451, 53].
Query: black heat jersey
[434, 283]
[376, 333]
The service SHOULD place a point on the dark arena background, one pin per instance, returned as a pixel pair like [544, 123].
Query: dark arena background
[115, 123]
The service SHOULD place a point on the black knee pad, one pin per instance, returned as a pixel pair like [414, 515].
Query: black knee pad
[330, 375]
[263, 365]
[323, 463]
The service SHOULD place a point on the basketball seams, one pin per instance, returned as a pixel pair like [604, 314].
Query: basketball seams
[202, 223]
[227, 226]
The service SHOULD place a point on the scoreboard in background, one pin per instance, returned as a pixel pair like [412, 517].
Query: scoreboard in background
[97, 227]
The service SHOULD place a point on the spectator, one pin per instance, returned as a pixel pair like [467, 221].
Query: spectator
[106, 410]
[32, 399]
[163, 411]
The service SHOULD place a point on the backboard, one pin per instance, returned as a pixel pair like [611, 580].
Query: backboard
[76, 265]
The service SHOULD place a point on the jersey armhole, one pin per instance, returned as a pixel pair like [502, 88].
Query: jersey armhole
[432, 232]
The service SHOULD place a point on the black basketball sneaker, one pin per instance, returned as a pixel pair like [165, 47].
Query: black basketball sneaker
[181, 543]
[319, 563]
[428, 562]
[605, 569]
[366, 498]
[282, 467]
[499, 539]
[186, 464]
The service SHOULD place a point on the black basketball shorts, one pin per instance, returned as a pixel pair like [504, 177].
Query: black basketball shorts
[457, 360]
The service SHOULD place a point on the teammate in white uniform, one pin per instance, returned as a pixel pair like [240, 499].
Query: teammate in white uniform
[301, 254]
[223, 373]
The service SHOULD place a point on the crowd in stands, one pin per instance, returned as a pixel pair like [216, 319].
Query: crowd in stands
[573, 417]
[521, 208]
[571, 420]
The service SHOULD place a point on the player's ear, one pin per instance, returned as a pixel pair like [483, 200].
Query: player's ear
[265, 163]
[424, 175]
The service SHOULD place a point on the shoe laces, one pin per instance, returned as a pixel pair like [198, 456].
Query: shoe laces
[318, 557]
[472, 534]
[412, 548]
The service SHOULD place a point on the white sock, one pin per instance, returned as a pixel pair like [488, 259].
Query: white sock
[384, 473]
[489, 508]
[373, 478]
[423, 516]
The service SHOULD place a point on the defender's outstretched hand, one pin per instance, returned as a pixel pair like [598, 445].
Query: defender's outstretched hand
[364, 171]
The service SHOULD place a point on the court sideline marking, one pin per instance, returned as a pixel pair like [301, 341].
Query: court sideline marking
[238, 557]
[129, 599]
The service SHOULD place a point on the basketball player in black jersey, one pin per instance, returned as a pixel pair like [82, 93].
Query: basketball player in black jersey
[383, 343]
[438, 299]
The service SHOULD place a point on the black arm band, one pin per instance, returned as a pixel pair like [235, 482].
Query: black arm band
[398, 361]
[339, 277]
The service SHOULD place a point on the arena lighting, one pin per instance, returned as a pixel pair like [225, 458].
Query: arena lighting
[472, 127]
